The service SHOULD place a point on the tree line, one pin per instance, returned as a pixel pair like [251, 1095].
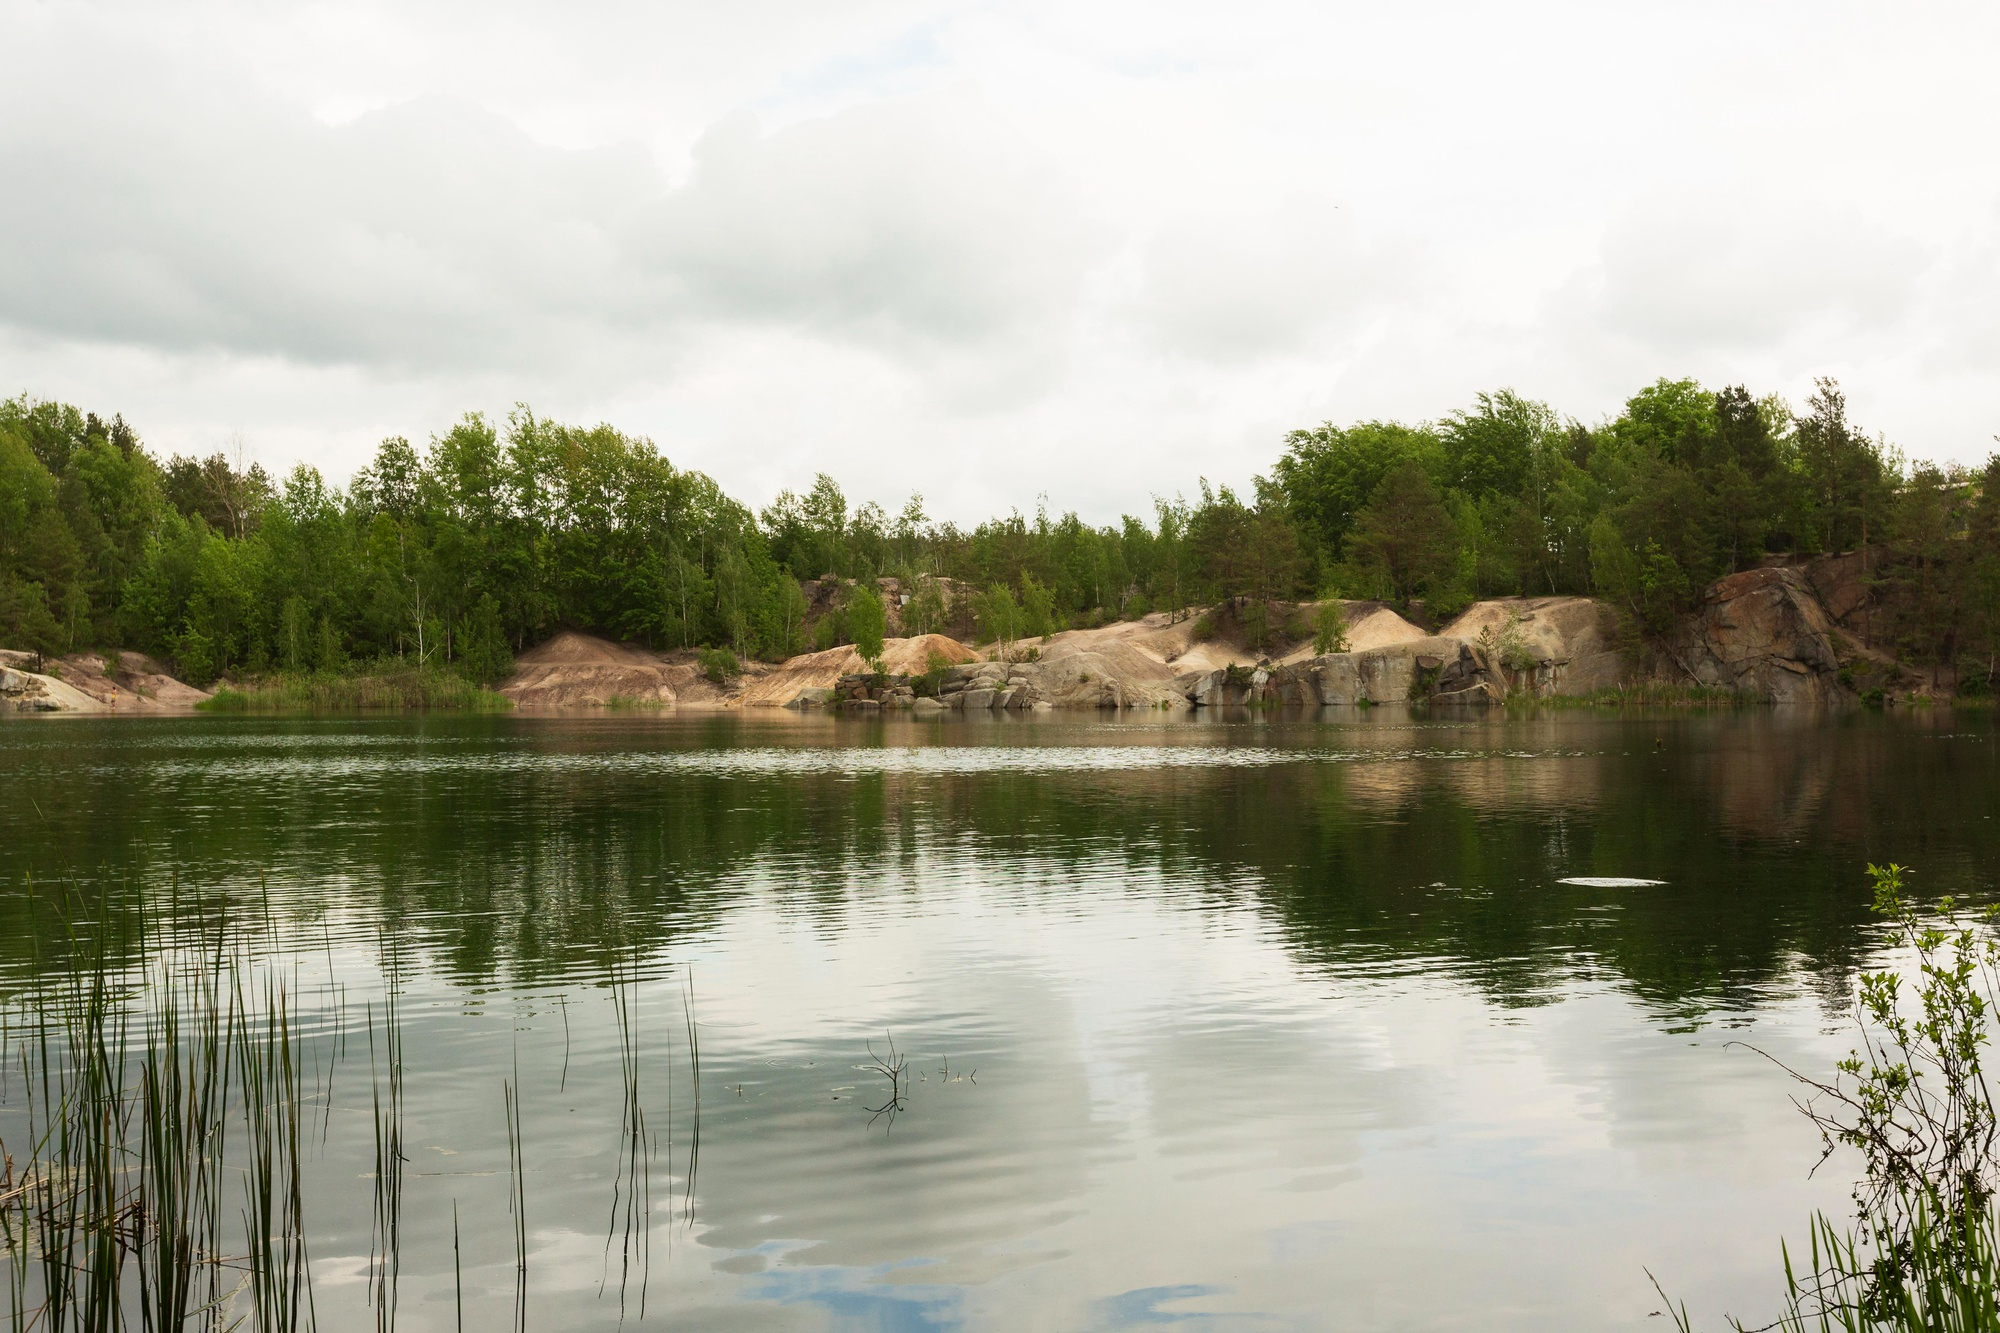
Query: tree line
[494, 535]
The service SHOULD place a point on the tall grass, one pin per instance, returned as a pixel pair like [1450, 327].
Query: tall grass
[153, 1173]
[412, 689]
[114, 1203]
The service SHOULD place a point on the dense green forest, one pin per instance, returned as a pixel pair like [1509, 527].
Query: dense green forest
[492, 537]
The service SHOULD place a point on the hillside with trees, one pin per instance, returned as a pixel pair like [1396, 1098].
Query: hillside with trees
[493, 536]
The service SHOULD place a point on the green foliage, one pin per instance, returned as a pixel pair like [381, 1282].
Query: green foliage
[931, 682]
[866, 621]
[1913, 1102]
[719, 665]
[483, 655]
[1329, 628]
[999, 617]
[1404, 543]
[493, 535]
[410, 689]
[925, 612]
[1038, 619]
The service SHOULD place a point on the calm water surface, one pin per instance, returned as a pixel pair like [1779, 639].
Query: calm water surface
[1246, 1025]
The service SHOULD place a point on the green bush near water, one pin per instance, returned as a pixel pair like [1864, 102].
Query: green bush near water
[719, 665]
[1913, 1101]
[416, 689]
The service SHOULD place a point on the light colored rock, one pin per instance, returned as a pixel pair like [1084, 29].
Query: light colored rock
[979, 700]
[1436, 669]
[926, 708]
[1546, 645]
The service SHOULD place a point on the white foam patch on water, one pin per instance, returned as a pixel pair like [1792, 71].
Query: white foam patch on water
[1609, 882]
[795, 761]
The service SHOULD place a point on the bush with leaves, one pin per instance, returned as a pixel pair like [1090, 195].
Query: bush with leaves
[1329, 628]
[867, 621]
[719, 665]
[1912, 1099]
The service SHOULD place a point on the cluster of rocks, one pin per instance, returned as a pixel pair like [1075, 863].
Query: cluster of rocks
[867, 692]
[1433, 670]
[989, 686]
[26, 692]
[972, 687]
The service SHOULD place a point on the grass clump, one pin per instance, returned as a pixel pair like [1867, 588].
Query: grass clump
[413, 689]
[153, 1175]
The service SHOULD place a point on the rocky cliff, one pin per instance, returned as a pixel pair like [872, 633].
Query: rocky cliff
[1765, 631]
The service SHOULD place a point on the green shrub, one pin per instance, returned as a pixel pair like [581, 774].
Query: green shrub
[719, 665]
[1329, 629]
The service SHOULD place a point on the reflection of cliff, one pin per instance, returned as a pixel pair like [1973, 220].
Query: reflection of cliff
[497, 847]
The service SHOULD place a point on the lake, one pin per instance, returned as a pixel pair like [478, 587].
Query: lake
[1243, 1023]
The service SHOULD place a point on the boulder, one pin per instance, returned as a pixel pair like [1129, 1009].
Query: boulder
[1763, 630]
[926, 708]
[979, 700]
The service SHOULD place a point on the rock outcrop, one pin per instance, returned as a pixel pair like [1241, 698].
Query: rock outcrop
[79, 683]
[811, 678]
[1436, 669]
[1546, 646]
[1763, 630]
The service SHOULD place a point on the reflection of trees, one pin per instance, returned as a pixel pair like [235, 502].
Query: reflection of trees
[1381, 859]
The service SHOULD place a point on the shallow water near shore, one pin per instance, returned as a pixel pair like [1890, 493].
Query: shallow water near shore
[1360, 1022]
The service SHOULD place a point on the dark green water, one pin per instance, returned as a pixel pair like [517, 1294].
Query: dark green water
[1246, 1024]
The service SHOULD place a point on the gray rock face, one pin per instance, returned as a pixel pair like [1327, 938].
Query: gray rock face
[1431, 670]
[926, 708]
[979, 700]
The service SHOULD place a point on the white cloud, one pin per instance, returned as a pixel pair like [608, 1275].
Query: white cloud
[986, 252]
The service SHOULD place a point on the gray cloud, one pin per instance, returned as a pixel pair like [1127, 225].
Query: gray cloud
[201, 212]
[985, 251]
[919, 219]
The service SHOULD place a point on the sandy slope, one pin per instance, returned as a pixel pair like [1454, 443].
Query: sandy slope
[581, 670]
[782, 684]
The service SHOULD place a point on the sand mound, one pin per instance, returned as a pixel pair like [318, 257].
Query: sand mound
[784, 683]
[574, 670]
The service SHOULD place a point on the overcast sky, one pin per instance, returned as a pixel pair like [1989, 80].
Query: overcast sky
[989, 251]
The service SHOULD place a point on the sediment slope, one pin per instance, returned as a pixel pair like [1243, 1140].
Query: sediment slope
[811, 676]
[581, 670]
